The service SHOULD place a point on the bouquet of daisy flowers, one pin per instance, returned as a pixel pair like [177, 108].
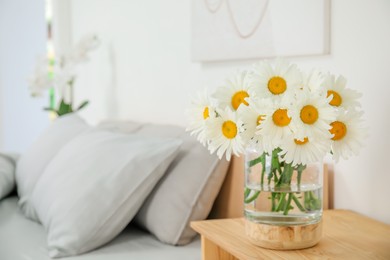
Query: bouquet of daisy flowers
[60, 74]
[290, 117]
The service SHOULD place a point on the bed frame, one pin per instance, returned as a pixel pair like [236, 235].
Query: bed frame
[229, 203]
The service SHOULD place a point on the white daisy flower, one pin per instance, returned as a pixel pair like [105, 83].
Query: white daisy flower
[312, 114]
[275, 81]
[234, 92]
[305, 150]
[252, 116]
[313, 81]
[200, 111]
[342, 97]
[276, 126]
[224, 133]
[347, 134]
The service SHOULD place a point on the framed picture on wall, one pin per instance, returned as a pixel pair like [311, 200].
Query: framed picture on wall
[246, 29]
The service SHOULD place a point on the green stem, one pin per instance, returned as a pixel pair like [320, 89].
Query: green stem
[255, 161]
[281, 203]
[281, 174]
[275, 165]
[263, 156]
[287, 205]
[252, 198]
[276, 178]
[287, 173]
[52, 101]
[273, 203]
[246, 192]
[311, 201]
[299, 205]
[269, 177]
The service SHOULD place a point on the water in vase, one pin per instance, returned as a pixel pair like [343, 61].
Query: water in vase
[290, 205]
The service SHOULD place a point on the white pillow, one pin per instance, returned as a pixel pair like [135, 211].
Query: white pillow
[95, 185]
[32, 163]
[7, 174]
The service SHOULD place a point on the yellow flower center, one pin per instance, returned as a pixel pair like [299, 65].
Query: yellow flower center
[259, 119]
[339, 130]
[300, 142]
[239, 98]
[309, 114]
[281, 118]
[336, 99]
[277, 85]
[206, 113]
[229, 129]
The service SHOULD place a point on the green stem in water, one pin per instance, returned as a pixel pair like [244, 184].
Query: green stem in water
[287, 205]
[273, 203]
[311, 201]
[282, 201]
[252, 198]
[246, 192]
[299, 205]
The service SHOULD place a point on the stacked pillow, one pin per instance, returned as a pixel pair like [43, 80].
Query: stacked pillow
[85, 185]
[95, 185]
[186, 192]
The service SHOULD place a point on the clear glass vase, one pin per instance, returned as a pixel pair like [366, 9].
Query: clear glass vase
[279, 194]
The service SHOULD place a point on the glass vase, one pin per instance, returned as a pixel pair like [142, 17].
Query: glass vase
[281, 197]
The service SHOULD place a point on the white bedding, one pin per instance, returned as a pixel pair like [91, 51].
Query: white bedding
[22, 239]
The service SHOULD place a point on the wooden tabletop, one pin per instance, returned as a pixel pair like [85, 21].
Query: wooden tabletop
[346, 235]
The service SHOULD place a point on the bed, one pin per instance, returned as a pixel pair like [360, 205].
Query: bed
[22, 238]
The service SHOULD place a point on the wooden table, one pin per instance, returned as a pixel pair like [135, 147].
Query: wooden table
[346, 235]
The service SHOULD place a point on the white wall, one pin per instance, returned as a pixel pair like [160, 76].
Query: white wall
[152, 78]
[23, 38]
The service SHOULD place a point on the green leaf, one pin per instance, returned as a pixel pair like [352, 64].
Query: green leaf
[64, 108]
[82, 105]
[49, 109]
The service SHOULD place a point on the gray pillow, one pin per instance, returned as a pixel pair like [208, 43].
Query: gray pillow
[33, 162]
[186, 192]
[95, 185]
[7, 174]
